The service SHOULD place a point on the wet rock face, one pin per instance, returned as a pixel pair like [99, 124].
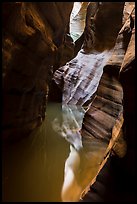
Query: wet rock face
[32, 45]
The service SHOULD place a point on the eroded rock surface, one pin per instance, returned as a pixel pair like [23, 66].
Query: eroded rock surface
[103, 119]
[35, 42]
[97, 85]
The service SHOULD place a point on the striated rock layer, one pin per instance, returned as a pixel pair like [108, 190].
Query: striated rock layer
[93, 80]
[100, 79]
[118, 171]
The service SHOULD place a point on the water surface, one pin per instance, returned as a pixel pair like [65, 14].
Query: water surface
[35, 168]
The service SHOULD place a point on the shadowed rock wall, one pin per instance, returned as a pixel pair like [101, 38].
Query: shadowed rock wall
[35, 41]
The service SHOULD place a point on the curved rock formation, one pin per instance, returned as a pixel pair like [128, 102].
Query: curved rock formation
[103, 119]
[96, 90]
[33, 47]
[119, 171]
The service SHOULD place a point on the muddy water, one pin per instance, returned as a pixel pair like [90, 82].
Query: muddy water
[35, 168]
[45, 166]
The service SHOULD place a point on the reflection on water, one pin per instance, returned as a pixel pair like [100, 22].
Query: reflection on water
[51, 164]
[80, 169]
[70, 126]
[35, 168]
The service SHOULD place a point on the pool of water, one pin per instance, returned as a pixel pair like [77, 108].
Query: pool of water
[38, 167]
[50, 164]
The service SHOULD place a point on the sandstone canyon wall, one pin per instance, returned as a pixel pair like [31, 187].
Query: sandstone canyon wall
[35, 42]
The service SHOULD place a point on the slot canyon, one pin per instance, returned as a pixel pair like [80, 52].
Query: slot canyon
[68, 102]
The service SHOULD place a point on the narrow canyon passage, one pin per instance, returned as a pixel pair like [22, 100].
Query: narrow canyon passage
[61, 157]
[43, 154]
